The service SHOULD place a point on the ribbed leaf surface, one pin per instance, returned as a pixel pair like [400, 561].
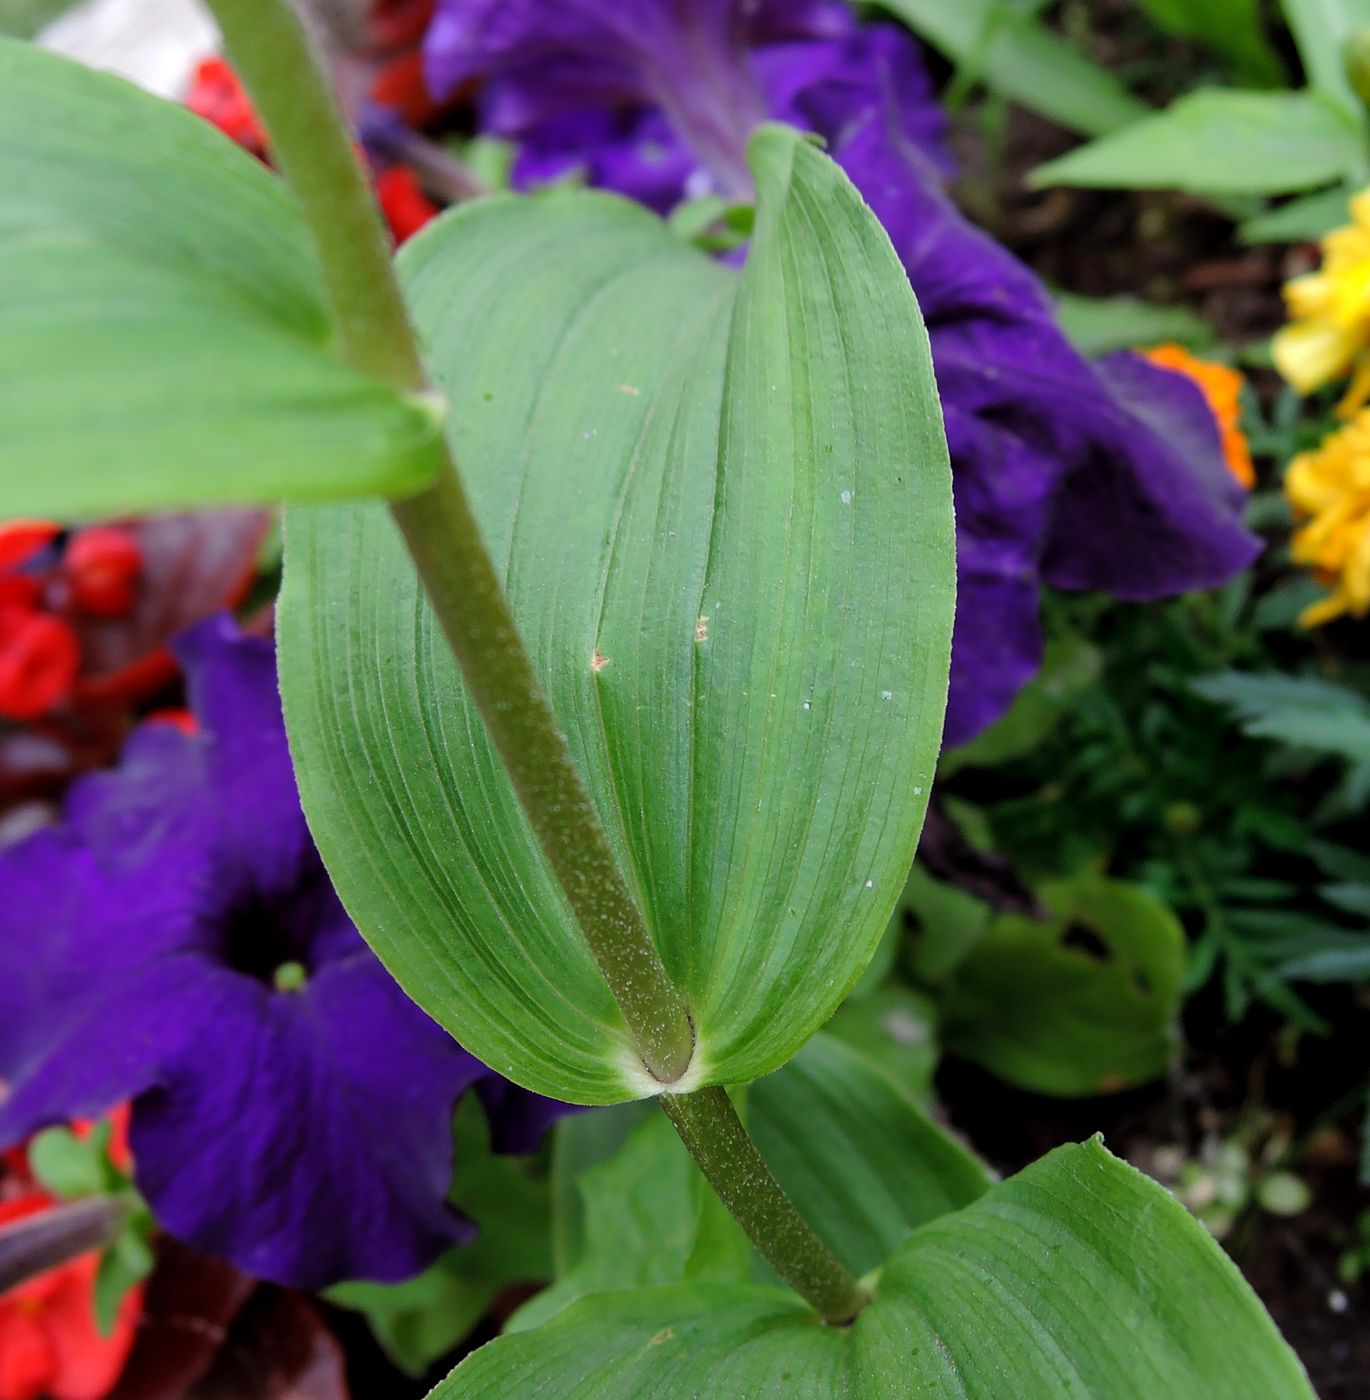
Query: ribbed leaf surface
[721, 504]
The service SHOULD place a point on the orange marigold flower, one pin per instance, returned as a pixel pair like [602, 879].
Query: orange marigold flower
[1222, 389]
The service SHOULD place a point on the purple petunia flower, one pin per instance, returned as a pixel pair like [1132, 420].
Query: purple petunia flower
[1103, 476]
[177, 942]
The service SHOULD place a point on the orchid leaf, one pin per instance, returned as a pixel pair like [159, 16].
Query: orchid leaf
[1079, 1276]
[721, 506]
[163, 337]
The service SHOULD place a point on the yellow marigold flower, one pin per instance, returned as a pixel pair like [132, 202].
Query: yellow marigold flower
[1329, 489]
[1330, 310]
[1222, 388]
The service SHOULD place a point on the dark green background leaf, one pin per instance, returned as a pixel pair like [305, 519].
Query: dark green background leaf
[1321, 29]
[1081, 1005]
[1232, 27]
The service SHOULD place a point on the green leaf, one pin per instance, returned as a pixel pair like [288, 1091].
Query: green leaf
[896, 1028]
[1077, 1277]
[22, 18]
[1081, 1005]
[951, 922]
[163, 338]
[127, 1261]
[1220, 142]
[1302, 711]
[1014, 54]
[647, 1212]
[860, 1159]
[420, 1321]
[1321, 29]
[1299, 220]
[1231, 27]
[1098, 325]
[721, 505]
[580, 1142]
[71, 1166]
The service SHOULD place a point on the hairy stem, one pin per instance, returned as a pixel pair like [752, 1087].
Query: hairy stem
[709, 1126]
[309, 142]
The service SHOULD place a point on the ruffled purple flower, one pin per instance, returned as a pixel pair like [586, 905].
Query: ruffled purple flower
[1103, 476]
[657, 100]
[177, 942]
[1106, 476]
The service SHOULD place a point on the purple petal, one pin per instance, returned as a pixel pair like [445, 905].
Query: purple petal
[540, 59]
[836, 87]
[996, 648]
[633, 151]
[248, 778]
[308, 1139]
[95, 993]
[1105, 476]
[1152, 510]
[306, 1135]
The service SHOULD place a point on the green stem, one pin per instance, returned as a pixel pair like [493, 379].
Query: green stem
[309, 142]
[709, 1126]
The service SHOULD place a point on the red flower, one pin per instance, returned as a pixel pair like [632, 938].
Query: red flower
[400, 85]
[404, 204]
[102, 565]
[39, 659]
[20, 540]
[217, 96]
[49, 1342]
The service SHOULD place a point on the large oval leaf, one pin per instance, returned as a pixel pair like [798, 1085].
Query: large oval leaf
[1078, 1277]
[163, 338]
[721, 504]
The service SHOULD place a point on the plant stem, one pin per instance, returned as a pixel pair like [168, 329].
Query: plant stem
[445, 543]
[310, 144]
[709, 1126]
[309, 141]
